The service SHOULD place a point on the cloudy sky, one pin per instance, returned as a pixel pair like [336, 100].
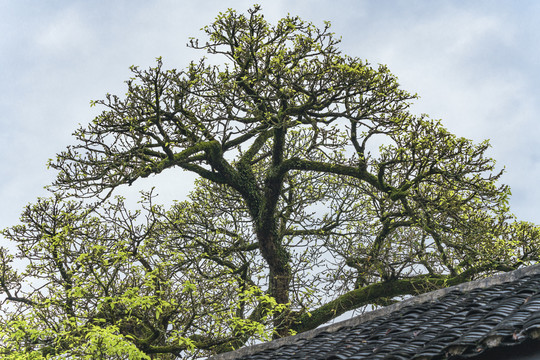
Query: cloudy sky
[475, 64]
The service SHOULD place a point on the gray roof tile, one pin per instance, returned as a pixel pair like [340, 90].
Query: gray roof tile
[463, 320]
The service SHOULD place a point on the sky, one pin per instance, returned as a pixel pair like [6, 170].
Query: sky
[474, 64]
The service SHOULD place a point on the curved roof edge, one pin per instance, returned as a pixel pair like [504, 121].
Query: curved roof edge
[430, 296]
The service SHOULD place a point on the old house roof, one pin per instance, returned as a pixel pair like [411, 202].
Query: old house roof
[463, 320]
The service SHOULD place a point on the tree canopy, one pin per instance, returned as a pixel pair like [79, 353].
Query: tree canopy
[299, 213]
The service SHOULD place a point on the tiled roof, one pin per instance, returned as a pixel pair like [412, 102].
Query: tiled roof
[466, 319]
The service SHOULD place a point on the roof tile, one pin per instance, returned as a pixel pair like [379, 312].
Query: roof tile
[460, 322]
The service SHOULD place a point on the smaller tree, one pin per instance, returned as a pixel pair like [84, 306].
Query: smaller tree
[104, 281]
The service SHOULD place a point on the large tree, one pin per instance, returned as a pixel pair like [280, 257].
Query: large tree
[297, 217]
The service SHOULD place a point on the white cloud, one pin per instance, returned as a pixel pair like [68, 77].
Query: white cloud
[65, 32]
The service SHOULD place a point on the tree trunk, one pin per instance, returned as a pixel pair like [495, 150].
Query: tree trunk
[277, 258]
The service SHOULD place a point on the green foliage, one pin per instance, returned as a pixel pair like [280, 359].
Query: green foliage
[101, 281]
[299, 213]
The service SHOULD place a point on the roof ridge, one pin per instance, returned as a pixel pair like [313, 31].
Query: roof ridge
[430, 296]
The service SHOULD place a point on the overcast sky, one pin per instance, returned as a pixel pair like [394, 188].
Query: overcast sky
[475, 64]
